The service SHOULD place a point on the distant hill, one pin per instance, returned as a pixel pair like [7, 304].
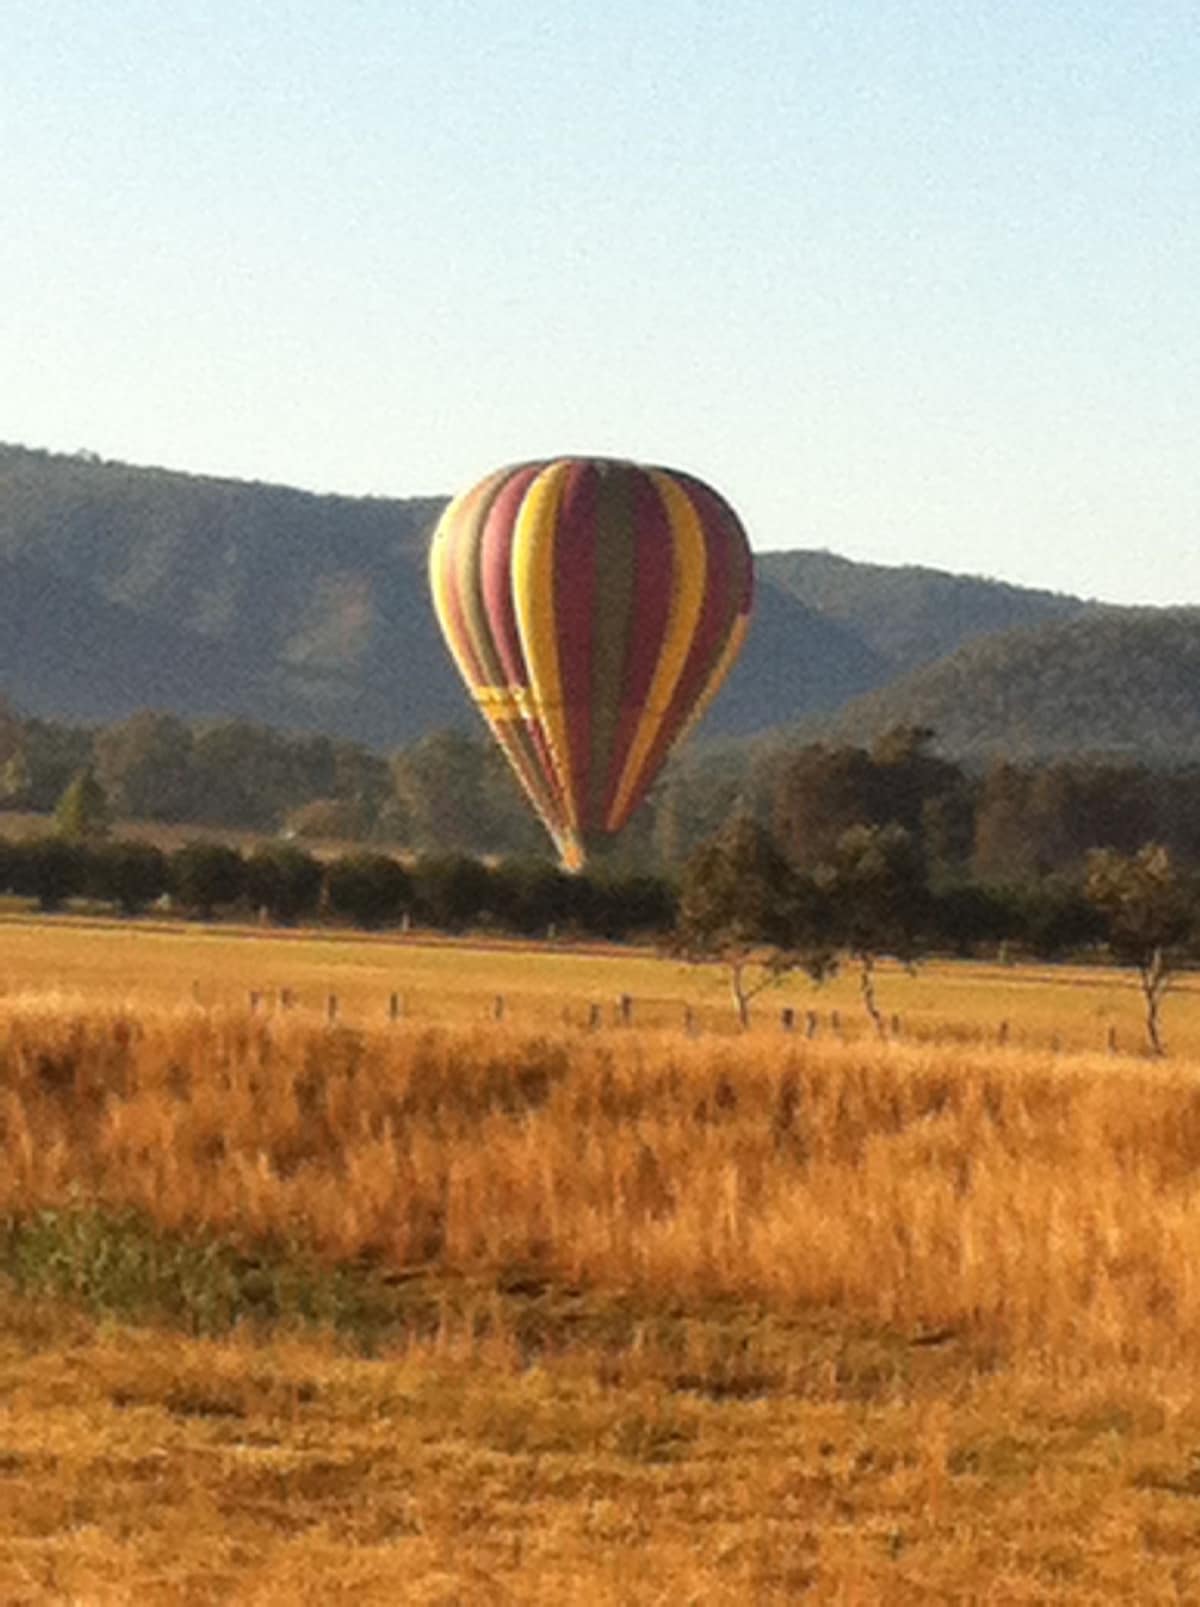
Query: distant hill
[124, 588]
[132, 587]
[1119, 681]
[909, 615]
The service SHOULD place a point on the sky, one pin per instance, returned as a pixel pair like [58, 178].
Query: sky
[913, 282]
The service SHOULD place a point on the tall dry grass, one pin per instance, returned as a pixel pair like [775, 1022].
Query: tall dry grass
[1031, 1203]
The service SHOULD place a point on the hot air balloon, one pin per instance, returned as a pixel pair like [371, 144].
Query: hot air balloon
[593, 607]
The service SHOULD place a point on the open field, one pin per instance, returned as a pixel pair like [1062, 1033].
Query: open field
[111, 960]
[446, 1310]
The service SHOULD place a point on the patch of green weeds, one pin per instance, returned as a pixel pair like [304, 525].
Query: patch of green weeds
[119, 1266]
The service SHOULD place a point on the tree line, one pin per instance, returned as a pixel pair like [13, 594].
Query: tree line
[453, 793]
[285, 884]
[740, 899]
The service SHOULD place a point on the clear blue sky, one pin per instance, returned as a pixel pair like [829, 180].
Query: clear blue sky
[915, 282]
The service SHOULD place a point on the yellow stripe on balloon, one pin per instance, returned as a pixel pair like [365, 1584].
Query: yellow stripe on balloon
[504, 708]
[533, 599]
[689, 574]
[440, 580]
[504, 702]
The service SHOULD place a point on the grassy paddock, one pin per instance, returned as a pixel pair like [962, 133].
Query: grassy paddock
[442, 1311]
[161, 963]
[1021, 1200]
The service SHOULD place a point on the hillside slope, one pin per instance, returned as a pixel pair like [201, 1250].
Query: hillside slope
[124, 588]
[1117, 681]
[910, 615]
[131, 587]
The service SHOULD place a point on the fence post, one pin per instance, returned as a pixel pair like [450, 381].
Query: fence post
[1002, 1035]
[835, 1021]
[1112, 1040]
[689, 1021]
[395, 1006]
[286, 998]
[498, 1007]
[895, 1026]
[787, 1018]
[331, 1007]
[594, 1017]
[811, 1023]
[625, 1009]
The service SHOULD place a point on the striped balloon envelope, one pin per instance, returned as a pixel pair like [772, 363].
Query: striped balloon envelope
[593, 607]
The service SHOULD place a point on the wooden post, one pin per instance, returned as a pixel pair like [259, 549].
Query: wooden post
[286, 998]
[787, 1018]
[835, 1021]
[331, 1008]
[594, 1017]
[395, 1006]
[625, 1009]
[498, 1007]
[895, 1026]
[689, 1021]
[1002, 1035]
[1112, 1040]
[810, 1024]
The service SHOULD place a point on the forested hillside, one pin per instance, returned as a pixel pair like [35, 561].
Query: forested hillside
[127, 588]
[1114, 681]
[909, 615]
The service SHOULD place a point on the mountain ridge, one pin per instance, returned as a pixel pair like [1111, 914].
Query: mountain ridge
[124, 587]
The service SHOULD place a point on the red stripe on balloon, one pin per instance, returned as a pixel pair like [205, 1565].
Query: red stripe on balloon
[724, 593]
[654, 582]
[495, 561]
[496, 544]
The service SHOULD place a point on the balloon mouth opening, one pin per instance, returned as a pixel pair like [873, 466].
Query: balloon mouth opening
[572, 854]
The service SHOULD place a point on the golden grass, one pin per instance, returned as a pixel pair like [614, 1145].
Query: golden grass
[1025, 1201]
[156, 963]
[156, 1469]
[701, 1319]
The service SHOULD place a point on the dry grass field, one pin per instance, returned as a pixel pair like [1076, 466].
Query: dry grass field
[112, 961]
[450, 1310]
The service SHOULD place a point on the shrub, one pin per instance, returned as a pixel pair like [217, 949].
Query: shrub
[368, 889]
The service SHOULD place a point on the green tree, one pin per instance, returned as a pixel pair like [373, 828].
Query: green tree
[204, 875]
[129, 874]
[531, 895]
[877, 891]
[83, 814]
[1148, 916]
[450, 890]
[50, 869]
[618, 907]
[458, 795]
[1054, 916]
[741, 904]
[283, 880]
[368, 889]
[144, 763]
